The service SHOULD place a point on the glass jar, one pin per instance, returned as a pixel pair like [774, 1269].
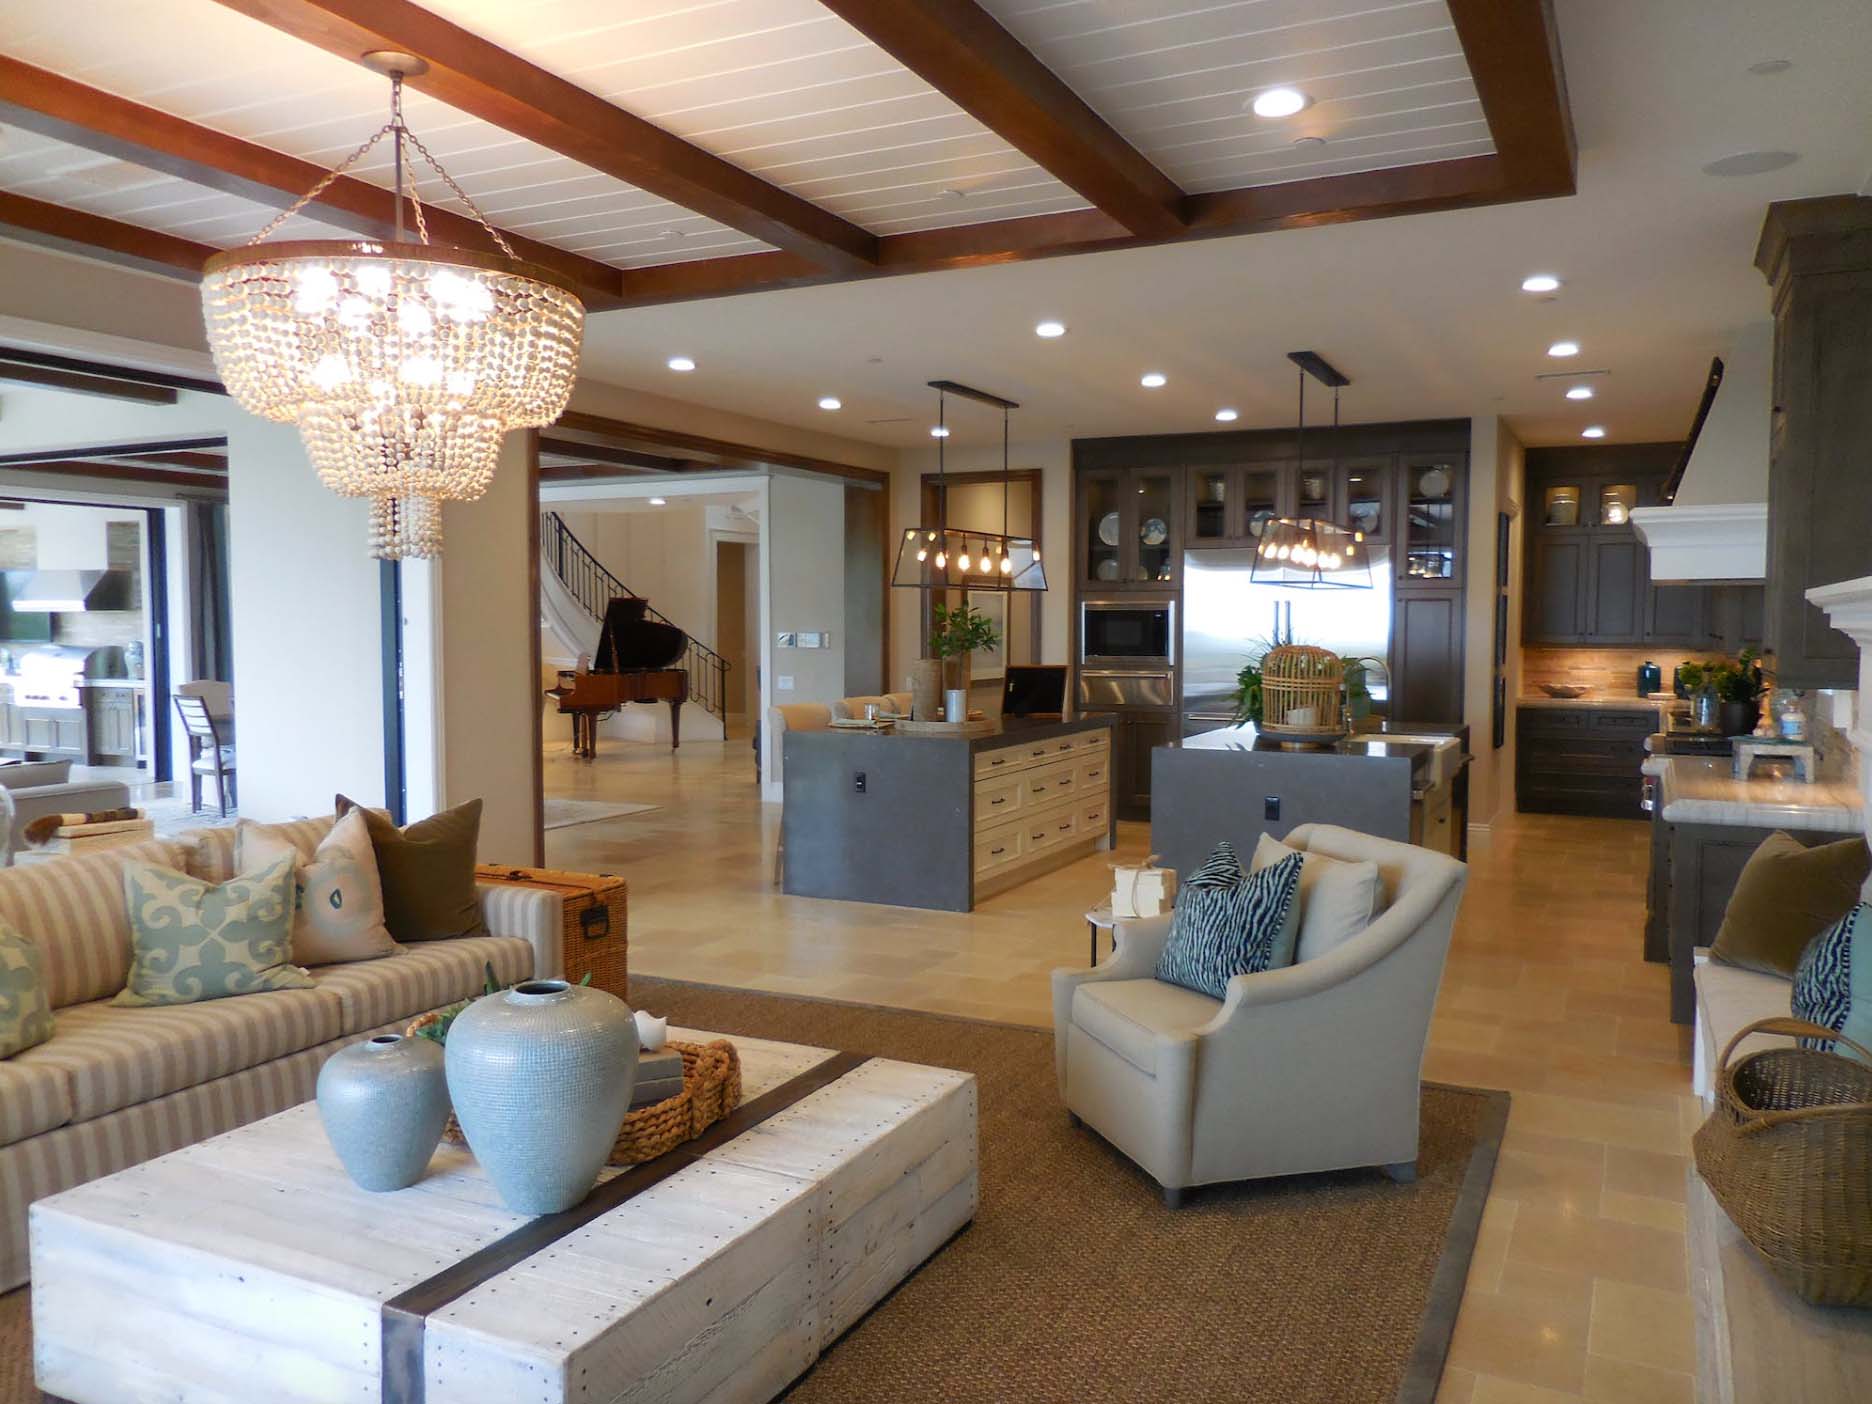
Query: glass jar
[1706, 709]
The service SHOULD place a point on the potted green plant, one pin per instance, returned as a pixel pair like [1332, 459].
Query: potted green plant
[1739, 687]
[957, 632]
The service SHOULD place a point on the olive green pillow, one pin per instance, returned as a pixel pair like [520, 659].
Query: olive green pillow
[428, 872]
[1787, 895]
[25, 1005]
[192, 940]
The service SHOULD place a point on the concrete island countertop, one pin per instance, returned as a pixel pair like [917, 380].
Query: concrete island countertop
[1632, 703]
[1703, 790]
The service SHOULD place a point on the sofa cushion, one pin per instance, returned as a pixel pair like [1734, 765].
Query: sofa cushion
[1788, 894]
[74, 909]
[339, 913]
[1222, 929]
[421, 977]
[115, 1057]
[33, 1098]
[1336, 899]
[1728, 999]
[25, 1009]
[1127, 1015]
[193, 940]
[428, 872]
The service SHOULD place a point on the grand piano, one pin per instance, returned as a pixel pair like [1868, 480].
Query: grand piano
[634, 663]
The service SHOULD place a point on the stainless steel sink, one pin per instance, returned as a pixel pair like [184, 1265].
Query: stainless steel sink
[1445, 755]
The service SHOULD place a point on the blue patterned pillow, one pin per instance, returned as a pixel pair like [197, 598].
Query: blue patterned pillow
[1833, 982]
[1230, 923]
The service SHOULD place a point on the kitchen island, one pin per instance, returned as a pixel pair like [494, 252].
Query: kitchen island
[1705, 824]
[942, 821]
[1397, 780]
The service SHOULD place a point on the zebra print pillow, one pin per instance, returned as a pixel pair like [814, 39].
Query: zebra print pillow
[1833, 983]
[1222, 928]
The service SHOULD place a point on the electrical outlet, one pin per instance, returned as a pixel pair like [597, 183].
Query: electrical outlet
[858, 782]
[1270, 807]
[783, 683]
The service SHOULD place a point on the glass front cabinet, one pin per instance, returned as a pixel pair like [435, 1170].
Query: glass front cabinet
[1130, 528]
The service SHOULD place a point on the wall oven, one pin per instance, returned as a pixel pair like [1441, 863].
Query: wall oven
[1127, 634]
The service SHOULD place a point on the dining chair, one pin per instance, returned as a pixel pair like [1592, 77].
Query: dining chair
[208, 754]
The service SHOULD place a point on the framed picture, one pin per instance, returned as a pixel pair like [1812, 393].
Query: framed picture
[987, 663]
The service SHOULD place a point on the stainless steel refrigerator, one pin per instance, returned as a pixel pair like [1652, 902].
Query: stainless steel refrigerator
[1228, 619]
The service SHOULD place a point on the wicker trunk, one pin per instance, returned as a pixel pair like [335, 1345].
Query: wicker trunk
[594, 940]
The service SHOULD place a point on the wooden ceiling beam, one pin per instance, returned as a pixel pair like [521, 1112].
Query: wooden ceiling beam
[702, 451]
[73, 231]
[57, 107]
[480, 78]
[1513, 51]
[214, 483]
[963, 52]
[79, 383]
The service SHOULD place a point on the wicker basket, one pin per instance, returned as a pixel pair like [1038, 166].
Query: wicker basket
[1301, 688]
[1788, 1154]
[711, 1089]
[594, 942]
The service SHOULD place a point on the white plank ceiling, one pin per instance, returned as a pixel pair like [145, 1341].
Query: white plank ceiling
[782, 88]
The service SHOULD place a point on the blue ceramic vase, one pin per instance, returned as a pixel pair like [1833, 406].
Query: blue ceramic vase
[541, 1076]
[384, 1103]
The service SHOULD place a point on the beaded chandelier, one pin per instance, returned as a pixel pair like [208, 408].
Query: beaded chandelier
[403, 364]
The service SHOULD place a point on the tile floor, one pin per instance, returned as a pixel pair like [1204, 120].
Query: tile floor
[1578, 1289]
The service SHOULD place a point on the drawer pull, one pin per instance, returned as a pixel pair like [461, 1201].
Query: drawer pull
[1039, 789]
[997, 762]
[1094, 774]
[1066, 826]
[1002, 800]
[996, 852]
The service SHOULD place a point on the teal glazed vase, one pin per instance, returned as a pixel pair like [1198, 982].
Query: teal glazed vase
[384, 1103]
[541, 1076]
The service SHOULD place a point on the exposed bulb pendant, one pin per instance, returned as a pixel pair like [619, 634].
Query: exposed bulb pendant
[403, 364]
[1311, 552]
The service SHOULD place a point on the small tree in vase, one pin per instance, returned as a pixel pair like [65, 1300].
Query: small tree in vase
[955, 634]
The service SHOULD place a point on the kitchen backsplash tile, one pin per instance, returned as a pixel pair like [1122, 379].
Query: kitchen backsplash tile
[1609, 672]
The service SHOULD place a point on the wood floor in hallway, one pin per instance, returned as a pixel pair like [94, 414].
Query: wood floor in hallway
[1579, 1285]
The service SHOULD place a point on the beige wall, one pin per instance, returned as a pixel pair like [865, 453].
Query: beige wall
[661, 554]
[1496, 479]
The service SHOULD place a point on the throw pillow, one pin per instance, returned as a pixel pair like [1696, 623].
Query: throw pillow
[191, 940]
[428, 872]
[1788, 894]
[339, 914]
[1833, 983]
[1222, 928]
[25, 1004]
[1336, 900]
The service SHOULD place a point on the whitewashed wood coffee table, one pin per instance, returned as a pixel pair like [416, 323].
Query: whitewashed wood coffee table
[249, 1268]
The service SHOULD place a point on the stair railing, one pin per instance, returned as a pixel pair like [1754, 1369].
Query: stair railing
[594, 587]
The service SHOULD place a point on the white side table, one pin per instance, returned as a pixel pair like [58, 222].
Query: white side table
[1100, 919]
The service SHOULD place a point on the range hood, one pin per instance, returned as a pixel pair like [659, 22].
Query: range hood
[72, 591]
[1715, 526]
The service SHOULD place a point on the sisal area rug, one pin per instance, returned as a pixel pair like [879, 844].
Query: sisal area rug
[569, 813]
[1075, 1285]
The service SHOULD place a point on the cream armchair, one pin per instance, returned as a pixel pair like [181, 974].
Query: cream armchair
[1314, 1067]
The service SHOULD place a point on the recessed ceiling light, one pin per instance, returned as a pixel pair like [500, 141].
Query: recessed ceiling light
[1279, 102]
[830, 402]
[1540, 283]
[1767, 68]
[659, 502]
[939, 431]
[1309, 143]
[1580, 392]
[680, 363]
[1748, 163]
[1593, 431]
[1564, 348]
[1227, 416]
[1050, 329]
[1154, 380]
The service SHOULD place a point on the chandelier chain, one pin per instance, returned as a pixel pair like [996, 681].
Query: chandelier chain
[415, 199]
[462, 195]
[323, 184]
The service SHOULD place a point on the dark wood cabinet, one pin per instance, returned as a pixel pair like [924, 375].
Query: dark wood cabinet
[1427, 657]
[1615, 605]
[1135, 734]
[1817, 258]
[1555, 603]
[1679, 614]
[1128, 529]
[1581, 760]
[1431, 517]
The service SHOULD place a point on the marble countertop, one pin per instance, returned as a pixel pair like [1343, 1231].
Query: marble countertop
[1700, 790]
[1615, 703]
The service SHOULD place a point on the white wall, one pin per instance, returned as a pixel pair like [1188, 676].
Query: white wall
[662, 555]
[803, 564]
[307, 644]
[1053, 457]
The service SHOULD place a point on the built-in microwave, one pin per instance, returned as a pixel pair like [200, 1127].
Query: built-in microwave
[1129, 633]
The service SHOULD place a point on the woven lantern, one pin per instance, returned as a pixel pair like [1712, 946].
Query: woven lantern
[1301, 692]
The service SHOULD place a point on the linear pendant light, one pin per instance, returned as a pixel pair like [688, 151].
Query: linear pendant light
[1312, 553]
[403, 364]
[933, 557]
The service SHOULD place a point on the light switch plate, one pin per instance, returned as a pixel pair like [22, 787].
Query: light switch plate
[786, 640]
[783, 683]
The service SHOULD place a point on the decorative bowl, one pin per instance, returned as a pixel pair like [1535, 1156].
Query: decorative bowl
[1568, 690]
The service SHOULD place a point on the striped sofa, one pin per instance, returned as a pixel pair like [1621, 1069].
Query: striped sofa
[114, 1087]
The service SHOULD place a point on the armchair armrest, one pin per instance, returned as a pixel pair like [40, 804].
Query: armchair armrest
[1136, 945]
[535, 916]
